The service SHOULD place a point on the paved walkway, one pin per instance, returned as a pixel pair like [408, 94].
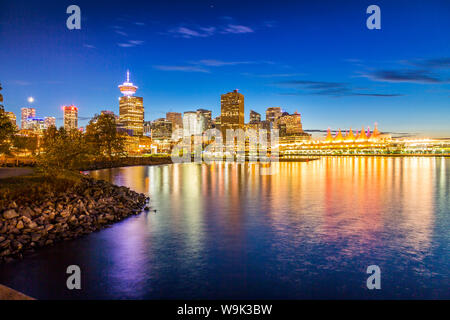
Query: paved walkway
[14, 172]
[10, 294]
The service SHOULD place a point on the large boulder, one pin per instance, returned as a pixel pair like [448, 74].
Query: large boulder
[10, 214]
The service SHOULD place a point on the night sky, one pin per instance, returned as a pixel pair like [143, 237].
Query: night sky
[315, 57]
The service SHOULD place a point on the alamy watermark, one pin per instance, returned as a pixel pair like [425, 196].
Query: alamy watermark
[374, 280]
[74, 280]
[374, 20]
[74, 20]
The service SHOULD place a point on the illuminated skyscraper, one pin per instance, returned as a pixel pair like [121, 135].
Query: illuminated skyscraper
[1, 98]
[35, 124]
[193, 123]
[207, 114]
[161, 129]
[255, 117]
[176, 119]
[49, 121]
[27, 113]
[70, 117]
[290, 125]
[232, 111]
[216, 123]
[273, 114]
[131, 109]
[177, 124]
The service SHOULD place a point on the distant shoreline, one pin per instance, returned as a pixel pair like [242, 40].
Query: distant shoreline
[152, 161]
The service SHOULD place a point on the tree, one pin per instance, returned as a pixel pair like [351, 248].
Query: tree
[29, 143]
[7, 132]
[103, 138]
[63, 149]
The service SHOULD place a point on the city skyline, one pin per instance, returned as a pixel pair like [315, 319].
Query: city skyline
[283, 61]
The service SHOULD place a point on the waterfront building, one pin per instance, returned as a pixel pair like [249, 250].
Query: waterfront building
[232, 111]
[291, 125]
[255, 117]
[273, 114]
[177, 124]
[255, 121]
[131, 109]
[176, 118]
[358, 137]
[35, 124]
[207, 114]
[216, 123]
[1, 98]
[147, 128]
[70, 117]
[138, 145]
[193, 123]
[161, 129]
[25, 114]
[49, 121]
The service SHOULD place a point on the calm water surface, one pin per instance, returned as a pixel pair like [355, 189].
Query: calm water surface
[225, 231]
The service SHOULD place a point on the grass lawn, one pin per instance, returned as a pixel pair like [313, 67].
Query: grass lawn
[34, 187]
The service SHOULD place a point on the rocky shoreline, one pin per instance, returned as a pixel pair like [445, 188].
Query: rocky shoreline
[84, 208]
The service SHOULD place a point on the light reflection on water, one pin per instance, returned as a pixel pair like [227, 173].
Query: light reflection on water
[225, 231]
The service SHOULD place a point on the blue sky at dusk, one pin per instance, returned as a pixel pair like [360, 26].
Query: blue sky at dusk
[314, 57]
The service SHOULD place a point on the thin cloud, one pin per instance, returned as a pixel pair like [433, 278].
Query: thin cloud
[219, 63]
[412, 76]
[136, 42]
[195, 31]
[326, 88]
[131, 43]
[181, 68]
[237, 29]
[21, 82]
[387, 95]
[273, 75]
[204, 65]
[90, 46]
[187, 33]
[122, 33]
[439, 63]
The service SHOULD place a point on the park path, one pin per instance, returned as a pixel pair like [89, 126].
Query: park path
[10, 294]
[14, 172]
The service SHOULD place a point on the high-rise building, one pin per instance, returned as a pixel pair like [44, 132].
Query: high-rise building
[177, 124]
[49, 121]
[207, 114]
[26, 113]
[161, 129]
[216, 123]
[1, 98]
[273, 114]
[255, 117]
[176, 118]
[147, 128]
[70, 117]
[35, 124]
[193, 123]
[131, 109]
[232, 111]
[290, 125]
